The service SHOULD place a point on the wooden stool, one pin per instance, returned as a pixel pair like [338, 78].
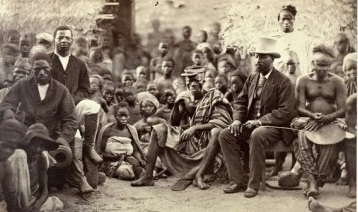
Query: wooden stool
[280, 146]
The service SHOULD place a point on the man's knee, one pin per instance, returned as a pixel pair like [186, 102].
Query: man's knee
[224, 137]
[259, 136]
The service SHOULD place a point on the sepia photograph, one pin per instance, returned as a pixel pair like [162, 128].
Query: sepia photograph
[178, 105]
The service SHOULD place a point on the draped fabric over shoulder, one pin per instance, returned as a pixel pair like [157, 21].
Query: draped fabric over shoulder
[183, 159]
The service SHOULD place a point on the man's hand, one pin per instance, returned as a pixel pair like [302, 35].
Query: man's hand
[187, 134]
[9, 114]
[313, 125]
[251, 124]
[235, 128]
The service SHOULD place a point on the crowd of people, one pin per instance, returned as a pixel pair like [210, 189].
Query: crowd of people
[194, 110]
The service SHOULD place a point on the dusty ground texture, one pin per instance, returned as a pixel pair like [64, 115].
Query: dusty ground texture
[117, 195]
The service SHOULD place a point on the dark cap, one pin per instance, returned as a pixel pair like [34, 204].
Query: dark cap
[40, 132]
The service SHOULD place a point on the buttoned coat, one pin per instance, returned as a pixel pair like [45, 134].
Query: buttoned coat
[278, 102]
[56, 111]
[75, 77]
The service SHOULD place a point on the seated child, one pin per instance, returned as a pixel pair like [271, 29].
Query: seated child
[130, 97]
[36, 142]
[168, 101]
[221, 83]
[237, 81]
[120, 148]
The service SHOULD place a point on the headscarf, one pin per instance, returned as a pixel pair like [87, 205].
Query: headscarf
[146, 96]
[351, 56]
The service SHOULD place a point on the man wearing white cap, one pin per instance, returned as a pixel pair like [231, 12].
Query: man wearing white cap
[267, 99]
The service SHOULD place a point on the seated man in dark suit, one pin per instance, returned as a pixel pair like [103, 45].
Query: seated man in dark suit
[267, 99]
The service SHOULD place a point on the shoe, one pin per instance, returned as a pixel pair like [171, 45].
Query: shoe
[234, 188]
[92, 154]
[250, 193]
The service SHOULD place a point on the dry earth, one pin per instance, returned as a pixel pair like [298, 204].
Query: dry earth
[116, 195]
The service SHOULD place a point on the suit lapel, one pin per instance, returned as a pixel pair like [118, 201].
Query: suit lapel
[50, 91]
[252, 90]
[268, 88]
[34, 91]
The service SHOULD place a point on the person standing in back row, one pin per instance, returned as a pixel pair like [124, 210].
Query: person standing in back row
[72, 72]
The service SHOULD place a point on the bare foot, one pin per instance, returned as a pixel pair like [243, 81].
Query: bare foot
[312, 189]
[342, 181]
[352, 191]
[315, 206]
[199, 182]
[143, 181]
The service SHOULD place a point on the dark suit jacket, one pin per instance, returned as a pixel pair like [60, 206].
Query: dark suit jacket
[277, 101]
[75, 77]
[56, 111]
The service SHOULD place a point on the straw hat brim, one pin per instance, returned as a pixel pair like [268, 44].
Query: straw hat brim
[326, 135]
[274, 54]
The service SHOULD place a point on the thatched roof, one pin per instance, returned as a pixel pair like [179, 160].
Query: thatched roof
[321, 20]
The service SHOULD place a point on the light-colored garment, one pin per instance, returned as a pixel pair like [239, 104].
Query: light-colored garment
[83, 108]
[64, 61]
[16, 183]
[297, 42]
[119, 145]
[42, 90]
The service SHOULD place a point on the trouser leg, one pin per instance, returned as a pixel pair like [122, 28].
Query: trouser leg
[89, 138]
[260, 138]
[77, 172]
[233, 155]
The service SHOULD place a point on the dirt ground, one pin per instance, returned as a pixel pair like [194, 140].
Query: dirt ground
[118, 195]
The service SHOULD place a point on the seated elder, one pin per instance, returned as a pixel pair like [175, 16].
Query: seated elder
[321, 98]
[182, 149]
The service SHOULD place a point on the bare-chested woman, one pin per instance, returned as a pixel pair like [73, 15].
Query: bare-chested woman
[321, 97]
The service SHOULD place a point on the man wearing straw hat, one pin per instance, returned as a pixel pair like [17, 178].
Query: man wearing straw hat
[267, 99]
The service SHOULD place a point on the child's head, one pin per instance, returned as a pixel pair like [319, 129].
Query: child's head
[291, 62]
[168, 66]
[121, 114]
[119, 94]
[221, 83]
[197, 57]
[210, 76]
[225, 65]
[202, 36]
[152, 88]
[163, 48]
[168, 97]
[108, 93]
[350, 66]
[148, 104]
[9, 53]
[127, 78]
[178, 85]
[141, 85]
[208, 54]
[237, 81]
[130, 95]
[142, 72]
[96, 83]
